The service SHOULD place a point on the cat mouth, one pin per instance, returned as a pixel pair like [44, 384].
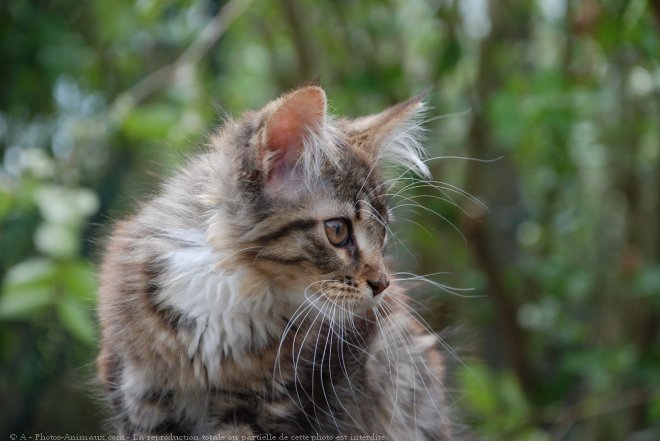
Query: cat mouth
[342, 293]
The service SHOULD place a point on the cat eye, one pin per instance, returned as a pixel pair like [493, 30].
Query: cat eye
[337, 231]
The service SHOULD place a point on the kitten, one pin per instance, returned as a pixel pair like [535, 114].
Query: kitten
[251, 296]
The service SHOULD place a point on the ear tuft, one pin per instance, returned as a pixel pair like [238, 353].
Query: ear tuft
[394, 135]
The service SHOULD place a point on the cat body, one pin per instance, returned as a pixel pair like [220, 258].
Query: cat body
[251, 296]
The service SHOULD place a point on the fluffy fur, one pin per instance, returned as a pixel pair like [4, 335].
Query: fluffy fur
[226, 310]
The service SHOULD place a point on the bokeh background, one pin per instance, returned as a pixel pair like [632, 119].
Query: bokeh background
[557, 102]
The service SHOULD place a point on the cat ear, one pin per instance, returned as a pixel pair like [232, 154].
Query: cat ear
[393, 135]
[298, 117]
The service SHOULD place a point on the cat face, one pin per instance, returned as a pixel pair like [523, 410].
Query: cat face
[309, 199]
[329, 240]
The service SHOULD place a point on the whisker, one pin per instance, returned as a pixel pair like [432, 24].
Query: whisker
[446, 288]
[448, 115]
[408, 343]
[385, 225]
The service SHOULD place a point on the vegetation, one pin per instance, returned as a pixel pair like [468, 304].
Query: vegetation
[557, 101]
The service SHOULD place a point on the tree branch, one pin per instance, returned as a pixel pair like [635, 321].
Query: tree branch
[300, 38]
[162, 77]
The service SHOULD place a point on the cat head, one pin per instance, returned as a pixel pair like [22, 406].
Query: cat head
[305, 195]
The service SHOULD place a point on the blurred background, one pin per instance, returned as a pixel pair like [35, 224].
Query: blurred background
[558, 339]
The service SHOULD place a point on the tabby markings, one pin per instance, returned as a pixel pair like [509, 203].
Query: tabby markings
[297, 225]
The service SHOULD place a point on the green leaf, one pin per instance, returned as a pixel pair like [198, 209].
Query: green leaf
[75, 317]
[27, 288]
[22, 304]
[35, 270]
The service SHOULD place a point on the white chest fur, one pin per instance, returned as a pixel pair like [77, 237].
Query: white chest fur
[233, 311]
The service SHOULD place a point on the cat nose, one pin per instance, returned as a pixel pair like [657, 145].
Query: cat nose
[379, 285]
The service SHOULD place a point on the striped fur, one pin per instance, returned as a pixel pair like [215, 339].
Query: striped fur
[226, 310]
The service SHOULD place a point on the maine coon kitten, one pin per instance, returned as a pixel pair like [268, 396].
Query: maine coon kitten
[250, 297]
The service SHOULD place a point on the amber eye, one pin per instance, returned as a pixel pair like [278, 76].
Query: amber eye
[337, 231]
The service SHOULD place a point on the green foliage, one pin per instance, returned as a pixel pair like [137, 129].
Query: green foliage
[498, 404]
[98, 103]
[27, 288]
